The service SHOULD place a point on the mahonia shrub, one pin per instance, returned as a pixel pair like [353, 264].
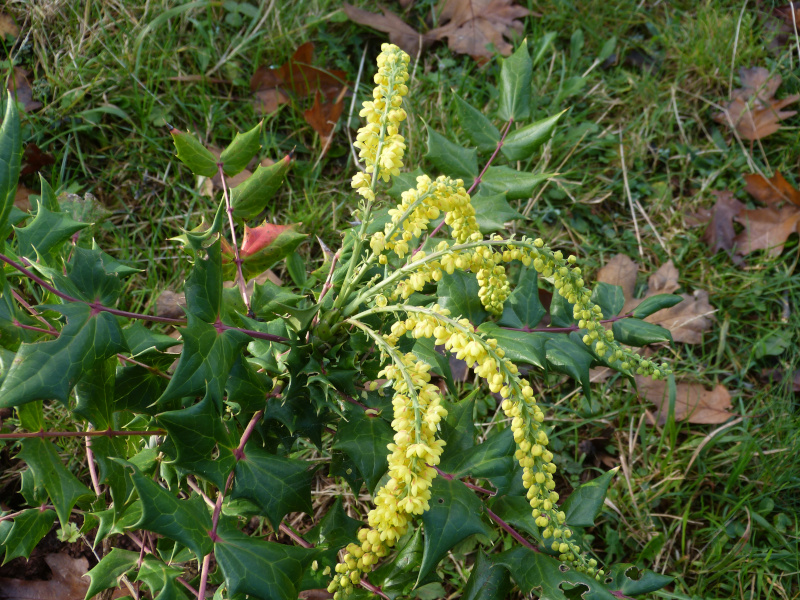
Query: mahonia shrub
[344, 378]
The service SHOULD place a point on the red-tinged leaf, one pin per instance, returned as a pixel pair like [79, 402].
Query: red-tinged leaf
[772, 191]
[720, 235]
[258, 238]
[323, 116]
[33, 159]
[767, 229]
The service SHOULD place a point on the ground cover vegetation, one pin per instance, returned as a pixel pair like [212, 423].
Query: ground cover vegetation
[655, 143]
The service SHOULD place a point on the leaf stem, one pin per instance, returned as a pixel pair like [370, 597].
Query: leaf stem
[565, 329]
[87, 434]
[229, 209]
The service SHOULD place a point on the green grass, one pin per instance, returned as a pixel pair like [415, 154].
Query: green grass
[715, 507]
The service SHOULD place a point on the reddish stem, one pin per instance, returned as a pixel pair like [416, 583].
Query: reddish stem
[510, 530]
[229, 209]
[60, 434]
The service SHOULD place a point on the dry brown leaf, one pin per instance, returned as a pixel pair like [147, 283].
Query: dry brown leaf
[693, 402]
[68, 582]
[171, 305]
[34, 160]
[753, 111]
[471, 26]
[780, 25]
[22, 198]
[772, 191]
[720, 235]
[767, 229]
[8, 26]
[22, 91]
[686, 321]
[322, 116]
[297, 76]
[400, 32]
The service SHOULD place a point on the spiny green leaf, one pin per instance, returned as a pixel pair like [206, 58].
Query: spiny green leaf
[364, 439]
[624, 579]
[336, 529]
[140, 339]
[523, 307]
[451, 159]
[10, 160]
[521, 143]
[51, 369]
[458, 293]
[241, 151]
[95, 393]
[193, 154]
[138, 388]
[517, 512]
[455, 513]
[28, 529]
[585, 502]
[609, 298]
[265, 570]
[251, 196]
[87, 272]
[46, 233]
[425, 350]
[655, 303]
[493, 459]
[204, 286]
[543, 575]
[160, 579]
[276, 484]
[270, 300]
[247, 387]
[480, 130]
[185, 521]
[515, 184]
[635, 332]
[105, 574]
[515, 85]
[399, 576]
[62, 486]
[111, 473]
[487, 581]
[567, 356]
[493, 212]
[196, 431]
[458, 430]
[561, 312]
[520, 346]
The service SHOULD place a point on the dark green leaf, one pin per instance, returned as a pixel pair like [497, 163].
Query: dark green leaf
[138, 388]
[270, 300]
[609, 298]
[336, 529]
[480, 130]
[62, 486]
[567, 356]
[517, 512]
[451, 159]
[95, 394]
[112, 473]
[276, 484]
[28, 528]
[458, 429]
[193, 154]
[51, 369]
[251, 196]
[364, 439]
[544, 575]
[278, 248]
[520, 346]
[635, 332]
[188, 522]
[561, 312]
[425, 350]
[493, 459]
[104, 575]
[523, 308]
[45, 234]
[264, 570]
[399, 576]
[240, 151]
[196, 431]
[515, 184]
[487, 581]
[515, 85]
[247, 387]
[520, 144]
[10, 160]
[455, 513]
[585, 502]
[139, 339]
[493, 212]
[458, 293]
[624, 579]
[655, 303]
[160, 577]
[204, 286]
[88, 274]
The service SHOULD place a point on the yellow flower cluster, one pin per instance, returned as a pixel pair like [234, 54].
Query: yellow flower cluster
[417, 413]
[379, 142]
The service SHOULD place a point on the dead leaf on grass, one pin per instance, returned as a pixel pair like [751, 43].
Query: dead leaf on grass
[22, 91]
[686, 321]
[68, 582]
[171, 305]
[323, 116]
[34, 160]
[400, 32]
[753, 111]
[8, 27]
[22, 198]
[693, 402]
[720, 234]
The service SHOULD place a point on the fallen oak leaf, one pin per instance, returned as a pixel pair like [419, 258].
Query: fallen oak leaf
[767, 229]
[771, 191]
[22, 91]
[323, 118]
[753, 111]
[34, 160]
[693, 402]
[720, 234]
[400, 32]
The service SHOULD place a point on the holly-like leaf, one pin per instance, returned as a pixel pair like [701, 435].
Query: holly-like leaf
[624, 579]
[250, 197]
[105, 574]
[544, 575]
[195, 432]
[276, 484]
[520, 346]
[51, 369]
[240, 151]
[609, 298]
[477, 126]
[137, 388]
[95, 394]
[451, 158]
[458, 293]
[247, 387]
[523, 307]
[515, 184]
[62, 486]
[364, 439]
[27, 530]
[458, 430]
[635, 332]
[584, 503]
[425, 350]
[521, 143]
[160, 579]
[567, 356]
[487, 581]
[654, 304]
[399, 576]
[10, 160]
[515, 85]
[263, 246]
[140, 339]
[336, 529]
[193, 154]
[262, 569]
[561, 312]
[493, 212]
[112, 473]
[493, 459]
[516, 511]
[186, 521]
[455, 514]
[46, 233]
